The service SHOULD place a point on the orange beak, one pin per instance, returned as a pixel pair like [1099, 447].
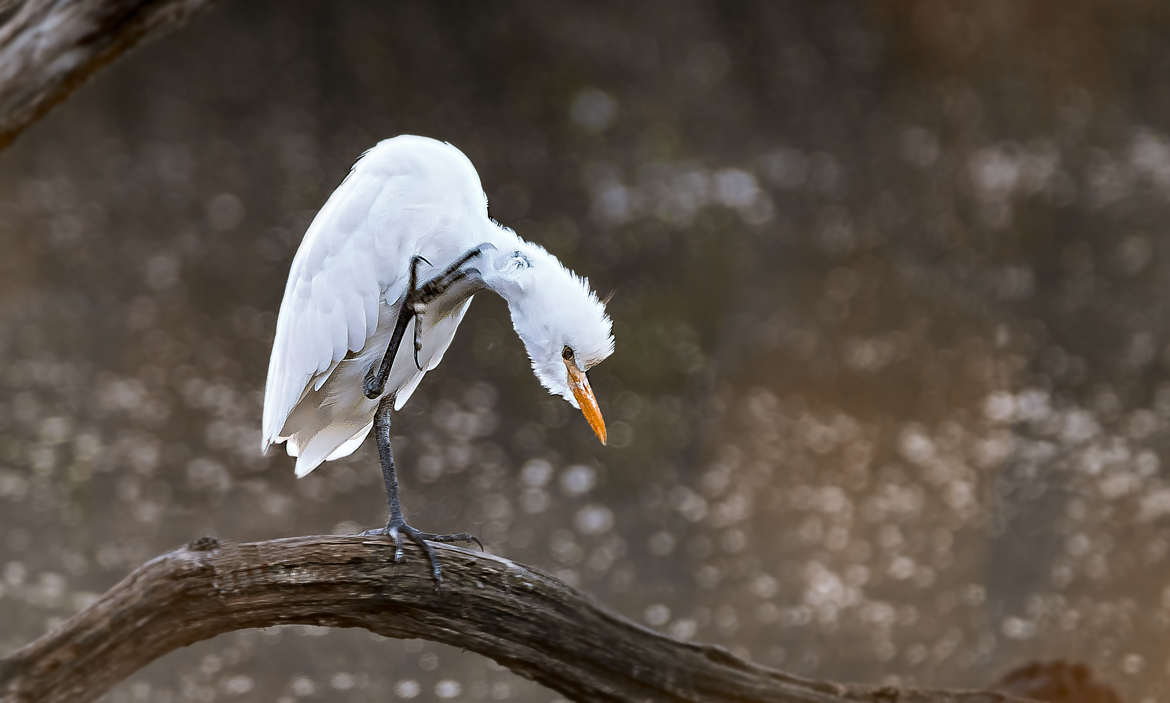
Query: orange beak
[579, 382]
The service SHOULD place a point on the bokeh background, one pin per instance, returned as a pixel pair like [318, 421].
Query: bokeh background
[891, 397]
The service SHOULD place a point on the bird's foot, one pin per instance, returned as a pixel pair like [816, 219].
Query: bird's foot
[373, 386]
[396, 528]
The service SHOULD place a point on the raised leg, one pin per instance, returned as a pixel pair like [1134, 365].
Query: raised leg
[396, 526]
[416, 298]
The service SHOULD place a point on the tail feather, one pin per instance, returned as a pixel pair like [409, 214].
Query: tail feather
[332, 442]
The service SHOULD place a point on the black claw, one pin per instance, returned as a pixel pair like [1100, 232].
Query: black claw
[414, 269]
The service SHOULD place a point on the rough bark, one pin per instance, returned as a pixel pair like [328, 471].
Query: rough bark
[531, 623]
[49, 47]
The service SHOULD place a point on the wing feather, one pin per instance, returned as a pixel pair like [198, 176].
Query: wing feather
[336, 319]
[327, 303]
[355, 317]
[436, 339]
[406, 196]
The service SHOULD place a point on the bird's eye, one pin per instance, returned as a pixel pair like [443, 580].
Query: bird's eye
[567, 353]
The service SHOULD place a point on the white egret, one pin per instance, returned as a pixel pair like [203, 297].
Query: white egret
[398, 250]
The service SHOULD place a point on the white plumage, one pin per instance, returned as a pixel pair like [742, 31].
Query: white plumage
[407, 196]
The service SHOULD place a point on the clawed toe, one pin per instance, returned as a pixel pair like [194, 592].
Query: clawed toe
[371, 387]
[422, 539]
[452, 538]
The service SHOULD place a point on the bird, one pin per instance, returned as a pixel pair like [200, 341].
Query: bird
[397, 252]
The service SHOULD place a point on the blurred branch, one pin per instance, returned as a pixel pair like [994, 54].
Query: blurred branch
[531, 623]
[49, 47]
[1057, 682]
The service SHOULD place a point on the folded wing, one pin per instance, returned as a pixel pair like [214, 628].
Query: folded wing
[406, 196]
[331, 303]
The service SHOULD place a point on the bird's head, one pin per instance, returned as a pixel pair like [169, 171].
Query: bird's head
[560, 320]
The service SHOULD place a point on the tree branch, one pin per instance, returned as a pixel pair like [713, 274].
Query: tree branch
[48, 48]
[531, 623]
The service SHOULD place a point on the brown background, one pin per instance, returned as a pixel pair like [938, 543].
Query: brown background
[890, 399]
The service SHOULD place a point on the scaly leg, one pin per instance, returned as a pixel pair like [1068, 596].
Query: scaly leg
[396, 525]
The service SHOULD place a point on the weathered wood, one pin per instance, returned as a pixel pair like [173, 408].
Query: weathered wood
[49, 47]
[531, 623]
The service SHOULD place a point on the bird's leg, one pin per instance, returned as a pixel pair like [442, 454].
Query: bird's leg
[396, 526]
[439, 285]
[416, 297]
[433, 289]
[375, 380]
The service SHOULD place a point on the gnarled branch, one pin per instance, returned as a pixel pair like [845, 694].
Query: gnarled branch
[48, 48]
[532, 623]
